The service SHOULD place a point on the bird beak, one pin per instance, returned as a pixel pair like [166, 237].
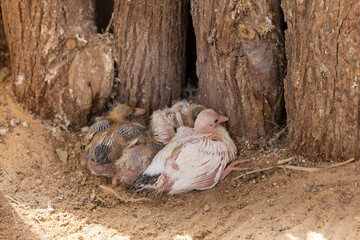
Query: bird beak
[139, 112]
[222, 119]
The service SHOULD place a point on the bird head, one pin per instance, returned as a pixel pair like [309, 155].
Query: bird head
[192, 114]
[208, 120]
[123, 113]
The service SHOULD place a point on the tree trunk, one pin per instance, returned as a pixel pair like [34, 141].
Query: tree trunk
[322, 84]
[150, 38]
[241, 62]
[4, 52]
[61, 67]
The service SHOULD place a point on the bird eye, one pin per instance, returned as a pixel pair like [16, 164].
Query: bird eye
[175, 129]
[216, 120]
[130, 115]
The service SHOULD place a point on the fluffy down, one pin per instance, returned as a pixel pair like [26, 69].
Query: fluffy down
[194, 158]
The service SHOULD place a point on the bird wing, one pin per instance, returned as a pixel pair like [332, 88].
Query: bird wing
[129, 131]
[192, 162]
[183, 132]
[199, 164]
[158, 163]
[108, 147]
[99, 126]
[164, 123]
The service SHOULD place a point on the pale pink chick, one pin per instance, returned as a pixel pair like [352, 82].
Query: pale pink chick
[165, 122]
[195, 158]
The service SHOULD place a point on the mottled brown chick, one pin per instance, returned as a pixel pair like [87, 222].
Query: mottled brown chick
[108, 136]
[136, 157]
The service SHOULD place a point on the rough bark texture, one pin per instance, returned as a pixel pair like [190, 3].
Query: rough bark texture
[150, 38]
[46, 40]
[322, 84]
[4, 52]
[240, 61]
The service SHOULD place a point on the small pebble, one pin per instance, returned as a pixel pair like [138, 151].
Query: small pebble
[85, 129]
[206, 208]
[25, 124]
[64, 224]
[3, 131]
[40, 218]
[14, 122]
[92, 197]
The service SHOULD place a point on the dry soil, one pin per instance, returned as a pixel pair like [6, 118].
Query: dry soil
[41, 197]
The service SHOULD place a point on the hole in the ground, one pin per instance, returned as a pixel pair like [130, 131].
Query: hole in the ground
[190, 86]
[103, 12]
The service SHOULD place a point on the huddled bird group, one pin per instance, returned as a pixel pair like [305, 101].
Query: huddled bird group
[184, 148]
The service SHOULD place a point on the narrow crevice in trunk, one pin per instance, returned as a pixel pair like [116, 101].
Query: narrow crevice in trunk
[103, 13]
[283, 27]
[4, 51]
[190, 85]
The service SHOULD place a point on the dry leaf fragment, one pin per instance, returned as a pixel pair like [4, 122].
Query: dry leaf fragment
[63, 155]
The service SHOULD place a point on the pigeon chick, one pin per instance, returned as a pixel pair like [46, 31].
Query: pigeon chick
[188, 111]
[108, 136]
[195, 158]
[136, 157]
[165, 122]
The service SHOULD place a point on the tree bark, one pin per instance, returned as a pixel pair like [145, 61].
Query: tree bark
[322, 83]
[150, 39]
[241, 62]
[61, 67]
[4, 52]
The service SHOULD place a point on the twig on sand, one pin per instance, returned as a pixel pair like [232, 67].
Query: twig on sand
[101, 200]
[110, 190]
[286, 160]
[305, 169]
[292, 167]
[340, 164]
[6, 174]
[251, 172]
[16, 224]
[10, 198]
[309, 169]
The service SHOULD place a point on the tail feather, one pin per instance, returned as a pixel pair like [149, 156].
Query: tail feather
[144, 182]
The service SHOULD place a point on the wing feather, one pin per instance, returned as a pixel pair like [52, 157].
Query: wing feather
[197, 162]
[99, 126]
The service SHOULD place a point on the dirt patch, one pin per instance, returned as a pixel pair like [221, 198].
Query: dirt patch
[43, 198]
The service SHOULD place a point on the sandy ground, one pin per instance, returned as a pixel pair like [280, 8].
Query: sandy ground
[43, 198]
